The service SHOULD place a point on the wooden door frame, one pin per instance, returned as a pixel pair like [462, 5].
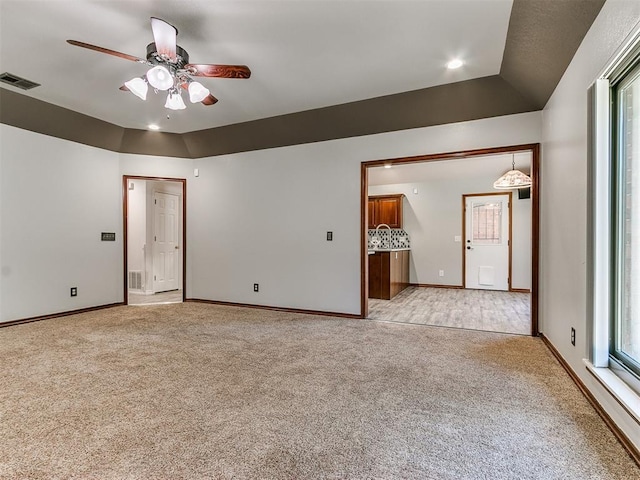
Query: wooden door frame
[125, 229]
[464, 232]
[534, 148]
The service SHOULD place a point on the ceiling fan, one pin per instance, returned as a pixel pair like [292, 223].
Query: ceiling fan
[170, 68]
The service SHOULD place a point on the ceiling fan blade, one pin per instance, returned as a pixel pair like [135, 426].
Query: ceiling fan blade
[220, 71]
[106, 50]
[164, 35]
[210, 100]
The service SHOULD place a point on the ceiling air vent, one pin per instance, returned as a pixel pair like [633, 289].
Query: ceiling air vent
[16, 81]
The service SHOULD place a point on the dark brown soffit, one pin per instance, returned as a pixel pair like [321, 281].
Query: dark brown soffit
[543, 37]
[146, 142]
[454, 102]
[35, 115]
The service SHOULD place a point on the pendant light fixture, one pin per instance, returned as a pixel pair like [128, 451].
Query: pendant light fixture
[513, 179]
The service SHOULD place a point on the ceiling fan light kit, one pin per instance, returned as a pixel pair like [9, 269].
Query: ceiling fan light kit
[197, 92]
[170, 69]
[160, 78]
[138, 86]
[174, 101]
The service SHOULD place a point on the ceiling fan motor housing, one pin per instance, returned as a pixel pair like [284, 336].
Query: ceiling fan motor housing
[153, 57]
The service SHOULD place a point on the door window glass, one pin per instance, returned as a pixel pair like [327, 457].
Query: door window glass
[487, 223]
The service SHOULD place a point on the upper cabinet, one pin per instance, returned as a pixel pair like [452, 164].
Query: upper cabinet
[385, 209]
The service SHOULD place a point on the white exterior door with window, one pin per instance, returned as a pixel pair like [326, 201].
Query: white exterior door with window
[486, 243]
[166, 253]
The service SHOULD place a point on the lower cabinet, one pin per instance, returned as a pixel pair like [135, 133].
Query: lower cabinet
[388, 274]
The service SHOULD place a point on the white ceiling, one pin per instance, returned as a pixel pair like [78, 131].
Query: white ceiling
[463, 168]
[303, 54]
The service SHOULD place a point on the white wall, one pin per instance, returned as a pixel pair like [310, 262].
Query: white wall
[433, 217]
[255, 217]
[564, 198]
[57, 198]
[262, 217]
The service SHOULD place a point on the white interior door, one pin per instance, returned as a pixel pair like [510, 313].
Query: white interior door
[166, 253]
[487, 241]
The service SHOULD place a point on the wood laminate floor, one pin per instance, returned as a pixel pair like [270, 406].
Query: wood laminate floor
[505, 312]
[173, 296]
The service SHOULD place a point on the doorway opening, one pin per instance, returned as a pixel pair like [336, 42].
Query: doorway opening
[434, 237]
[154, 240]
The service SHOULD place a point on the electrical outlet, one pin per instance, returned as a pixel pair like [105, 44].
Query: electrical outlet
[256, 287]
[441, 273]
[573, 336]
[74, 291]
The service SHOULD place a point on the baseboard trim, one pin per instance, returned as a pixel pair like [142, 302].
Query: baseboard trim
[434, 285]
[631, 449]
[50, 316]
[277, 309]
[520, 290]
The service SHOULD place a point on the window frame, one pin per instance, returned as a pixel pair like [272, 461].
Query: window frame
[603, 218]
[625, 365]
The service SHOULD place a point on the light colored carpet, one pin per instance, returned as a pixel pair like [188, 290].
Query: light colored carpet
[491, 311]
[200, 391]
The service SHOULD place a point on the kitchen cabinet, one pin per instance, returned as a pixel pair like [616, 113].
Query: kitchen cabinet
[388, 273]
[385, 209]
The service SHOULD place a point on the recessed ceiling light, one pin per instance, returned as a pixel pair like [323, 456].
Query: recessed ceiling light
[455, 63]
[153, 126]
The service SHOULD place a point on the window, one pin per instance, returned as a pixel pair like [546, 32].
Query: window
[487, 220]
[625, 189]
[614, 226]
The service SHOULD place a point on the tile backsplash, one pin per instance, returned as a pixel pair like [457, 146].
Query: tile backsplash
[396, 238]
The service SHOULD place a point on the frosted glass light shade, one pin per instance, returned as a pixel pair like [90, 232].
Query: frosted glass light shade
[197, 92]
[159, 77]
[138, 87]
[175, 102]
[511, 180]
